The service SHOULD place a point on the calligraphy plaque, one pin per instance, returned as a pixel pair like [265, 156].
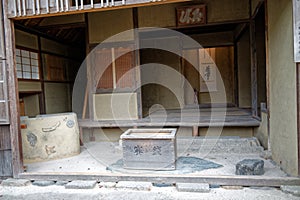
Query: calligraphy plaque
[191, 15]
[151, 149]
[296, 13]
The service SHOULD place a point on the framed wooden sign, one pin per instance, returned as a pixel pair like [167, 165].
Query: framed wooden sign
[191, 15]
[296, 13]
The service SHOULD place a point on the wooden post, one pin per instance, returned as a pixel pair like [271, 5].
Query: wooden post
[137, 63]
[253, 65]
[195, 131]
[15, 129]
[298, 113]
[296, 25]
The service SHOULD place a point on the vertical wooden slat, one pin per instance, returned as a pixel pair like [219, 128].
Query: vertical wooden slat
[57, 5]
[81, 4]
[102, 3]
[24, 7]
[47, 6]
[92, 3]
[67, 5]
[15, 8]
[76, 4]
[107, 3]
[33, 7]
[123, 2]
[38, 6]
[19, 8]
[112, 3]
[62, 5]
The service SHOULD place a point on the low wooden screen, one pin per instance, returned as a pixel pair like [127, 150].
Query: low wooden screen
[124, 68]
[103, 57]
[119, 74]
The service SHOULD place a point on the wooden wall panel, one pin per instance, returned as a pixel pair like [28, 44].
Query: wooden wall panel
[5, 152]
[5, 163]
[4, 138]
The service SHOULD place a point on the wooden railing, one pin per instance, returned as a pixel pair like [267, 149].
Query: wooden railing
[31, 8]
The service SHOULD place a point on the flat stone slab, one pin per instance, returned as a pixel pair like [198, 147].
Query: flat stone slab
[134, 185]
[250, 167]
[16, 182]
[107, 184]
[43, 183]
[193, 187]
[61, 183]
[81, 185]
[290, 189]
[184, 165]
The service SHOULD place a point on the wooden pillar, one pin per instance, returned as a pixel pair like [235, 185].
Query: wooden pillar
[298, 113]
[296, 25]
[253, 67]
[42, 100]
[15, 129]
[137, 62]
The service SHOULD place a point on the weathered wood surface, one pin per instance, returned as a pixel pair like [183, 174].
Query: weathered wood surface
[153, 149]
[54, 8]
[163, 178]
[298, 112]
[187, 117]
[5, 152]
[15, 128]
[296, 20]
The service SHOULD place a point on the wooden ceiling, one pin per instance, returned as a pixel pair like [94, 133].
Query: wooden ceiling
[71, 33]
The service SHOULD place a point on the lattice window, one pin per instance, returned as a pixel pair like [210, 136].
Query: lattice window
[27, 64]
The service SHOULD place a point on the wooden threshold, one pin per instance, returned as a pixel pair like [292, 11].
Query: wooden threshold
[260, 181]
[140, 123]
[204, 117]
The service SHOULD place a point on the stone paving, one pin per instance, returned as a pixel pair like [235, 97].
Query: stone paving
[14, 189]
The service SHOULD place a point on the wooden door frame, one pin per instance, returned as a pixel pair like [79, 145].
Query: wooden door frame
[15, 129]
[298, 112]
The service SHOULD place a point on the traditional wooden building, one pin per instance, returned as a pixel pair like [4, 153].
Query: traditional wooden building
[253, 43]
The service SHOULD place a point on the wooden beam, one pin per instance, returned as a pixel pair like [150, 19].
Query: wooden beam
[168, 178]
[63, 26]
[15, 128]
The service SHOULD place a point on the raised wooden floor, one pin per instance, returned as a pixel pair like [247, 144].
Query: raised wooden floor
[203, 117]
